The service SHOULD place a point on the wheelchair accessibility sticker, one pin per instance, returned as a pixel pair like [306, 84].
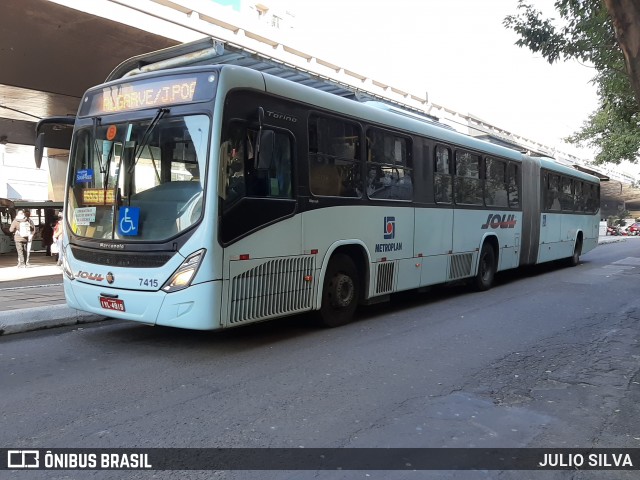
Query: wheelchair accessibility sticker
[128, 223]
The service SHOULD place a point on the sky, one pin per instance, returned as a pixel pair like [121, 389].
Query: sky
[461, 54]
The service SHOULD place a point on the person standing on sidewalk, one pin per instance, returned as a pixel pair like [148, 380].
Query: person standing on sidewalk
[57, 239]
[47, 237]
[23, 230]
[27, 214]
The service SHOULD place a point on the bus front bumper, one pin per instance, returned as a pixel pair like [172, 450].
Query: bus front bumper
[196, 307]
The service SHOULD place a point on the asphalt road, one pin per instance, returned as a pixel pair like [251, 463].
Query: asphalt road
[547, 358]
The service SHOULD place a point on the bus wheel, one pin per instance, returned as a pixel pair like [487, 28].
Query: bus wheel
[575, 258]
[486, 268]
[340, 292]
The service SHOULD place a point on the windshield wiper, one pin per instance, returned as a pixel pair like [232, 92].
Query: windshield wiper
[146, 136]
[97, 121]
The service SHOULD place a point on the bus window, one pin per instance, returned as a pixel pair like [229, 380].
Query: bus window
[579, 199]
[467, 186]
[334, 157]
[495, 190]
[240, 176]
[552, 193]
[388, 167]
[566, 198]
[513, 185]
[442, 175]
[593, 197]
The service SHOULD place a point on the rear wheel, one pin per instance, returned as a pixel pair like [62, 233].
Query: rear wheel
[340, 292]
[575, 258]
[486, 268]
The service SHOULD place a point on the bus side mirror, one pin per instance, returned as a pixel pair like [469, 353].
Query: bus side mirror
[266, 141]
[38, 151]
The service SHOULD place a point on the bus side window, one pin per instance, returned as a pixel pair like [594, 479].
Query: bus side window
[566, 197]
[334, 157]
[389, 172]
[579, 196]
[274, 179]
[495, 192]
[468, 185]
[592, 193]
[552, 201]
[513, 185]
[442, 175]
[280, 172]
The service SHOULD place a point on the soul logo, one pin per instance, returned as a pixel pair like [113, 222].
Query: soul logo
[498, 221]
[90, 276]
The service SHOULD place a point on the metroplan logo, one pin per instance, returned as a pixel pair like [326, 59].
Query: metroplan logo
[389, 228]
[389, 234]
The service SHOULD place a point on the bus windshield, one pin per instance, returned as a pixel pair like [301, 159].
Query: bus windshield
[138, 181]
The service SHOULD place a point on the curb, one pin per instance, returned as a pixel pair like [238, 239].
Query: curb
[612, 239]
[38, 318]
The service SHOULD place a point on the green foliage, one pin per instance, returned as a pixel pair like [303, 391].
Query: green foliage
[618, 220]
[585, 33]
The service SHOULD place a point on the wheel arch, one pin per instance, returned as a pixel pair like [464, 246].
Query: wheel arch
[576, 251]
[359, 253]
[491, 239]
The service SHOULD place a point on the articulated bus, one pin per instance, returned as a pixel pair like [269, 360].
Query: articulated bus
[217, 196]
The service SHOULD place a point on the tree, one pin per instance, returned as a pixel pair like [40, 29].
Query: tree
[625, 15]
[586, 33]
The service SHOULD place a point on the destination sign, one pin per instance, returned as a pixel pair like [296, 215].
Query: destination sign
[133, 97]
[154, 93]
[97, 196]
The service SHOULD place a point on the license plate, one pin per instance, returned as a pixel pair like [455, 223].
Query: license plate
[112, 304]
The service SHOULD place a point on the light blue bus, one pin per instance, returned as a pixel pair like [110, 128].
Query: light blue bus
[216, 196]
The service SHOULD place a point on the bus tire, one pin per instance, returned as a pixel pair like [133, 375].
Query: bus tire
[574, 259]
[486, 268]
[340, 292]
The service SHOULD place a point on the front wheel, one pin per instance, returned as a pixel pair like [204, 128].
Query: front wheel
[340, 292]
[486, 268]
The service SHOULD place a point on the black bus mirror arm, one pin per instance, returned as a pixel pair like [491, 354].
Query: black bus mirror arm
[40, 142]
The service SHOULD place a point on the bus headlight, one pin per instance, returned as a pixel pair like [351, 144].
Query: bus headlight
[182, 277]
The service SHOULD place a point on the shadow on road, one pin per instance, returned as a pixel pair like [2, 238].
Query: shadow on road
[279, 332]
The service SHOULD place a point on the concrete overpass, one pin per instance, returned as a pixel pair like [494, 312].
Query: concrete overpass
[52, 51]
[50, 54]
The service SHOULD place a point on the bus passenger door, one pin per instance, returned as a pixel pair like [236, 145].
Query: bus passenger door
[433, 243]
[260, 233]
[434, 223]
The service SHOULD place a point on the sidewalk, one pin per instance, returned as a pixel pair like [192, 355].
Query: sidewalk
[33, 298]
[40, 266]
